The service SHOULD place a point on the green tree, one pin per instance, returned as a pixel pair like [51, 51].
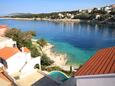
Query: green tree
[23, 39]
[46, 61]
[42, 42]
[35, 52]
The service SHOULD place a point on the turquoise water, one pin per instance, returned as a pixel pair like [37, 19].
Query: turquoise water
[72, 52]
[57, 75]
[78, 40]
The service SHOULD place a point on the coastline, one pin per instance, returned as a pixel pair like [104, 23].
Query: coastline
[45, 19]
[58, 58]
[63, 20]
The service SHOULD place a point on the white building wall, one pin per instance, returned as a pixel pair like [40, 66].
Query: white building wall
[6, 42]
[29, 67]
[28, 56]
[96, 80]
[16, 62]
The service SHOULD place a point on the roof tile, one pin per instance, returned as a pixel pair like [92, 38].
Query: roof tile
[103, 62]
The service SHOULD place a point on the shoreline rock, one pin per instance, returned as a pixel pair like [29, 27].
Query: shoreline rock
[59, 59]
[62, 20]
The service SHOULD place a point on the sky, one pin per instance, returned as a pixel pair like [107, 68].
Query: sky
[46, 6]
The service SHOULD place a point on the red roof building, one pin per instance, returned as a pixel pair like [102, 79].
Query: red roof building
[14, 59]
[3, 26]
[8, 52]
[99, 70]
[113, 6]
[103, 62]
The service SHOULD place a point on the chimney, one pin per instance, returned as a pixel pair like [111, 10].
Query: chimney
[22, 49]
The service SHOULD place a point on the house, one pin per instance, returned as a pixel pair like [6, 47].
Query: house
[89, 10]
[7, 42]
[3, 28]
[97, 16]
[71, 16]
[14, 59]
[60, 15]
[108, 9]
[99, 70]
[113, 6]
[98, 8]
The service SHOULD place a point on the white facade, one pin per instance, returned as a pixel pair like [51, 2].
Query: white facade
[6, 42]
[99, 8]
[30, 66]
[96, 80]
[89, 10]
[60, 15]
[17, 61]
[91, 80]
[107, 8]
[97, 17]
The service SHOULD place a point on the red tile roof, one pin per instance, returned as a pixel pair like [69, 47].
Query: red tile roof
[103, 62]
[113, 6]
[26, 49]
[7, 52]
[3, 26]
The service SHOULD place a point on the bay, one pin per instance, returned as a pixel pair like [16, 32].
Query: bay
[78, 40]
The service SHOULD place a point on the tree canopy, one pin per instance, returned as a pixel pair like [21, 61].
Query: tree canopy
[42, 42]
[23, 39]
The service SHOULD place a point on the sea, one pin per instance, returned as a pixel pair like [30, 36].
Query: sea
[79, 40]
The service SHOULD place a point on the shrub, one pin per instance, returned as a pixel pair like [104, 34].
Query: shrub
[23, 39]
[42, 42]
[34, 51]
[46, 61]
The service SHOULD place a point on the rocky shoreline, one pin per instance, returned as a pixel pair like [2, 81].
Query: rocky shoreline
[58, 58]
[63, 20]
[45, 19]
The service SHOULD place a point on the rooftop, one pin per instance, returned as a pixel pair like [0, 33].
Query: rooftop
[103, 62]
[7, 52]
[3, 26]
[26, 49]
[113, 6]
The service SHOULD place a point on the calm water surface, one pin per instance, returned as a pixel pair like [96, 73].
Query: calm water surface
[78, 40]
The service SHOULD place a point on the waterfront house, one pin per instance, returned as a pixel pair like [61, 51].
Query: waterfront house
[113, 6]
[60, 15]
[7, 42]
[14, 59]
[3, 28]
[97, 16]
[99, 70]
[108, 9]
[98, 8]
[89, 10]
